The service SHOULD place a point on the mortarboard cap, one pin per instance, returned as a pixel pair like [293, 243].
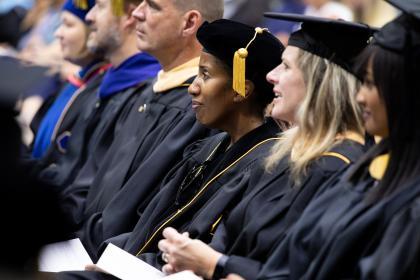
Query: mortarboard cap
[250, 52]
[403, 33]
[336, 40]
[79, 8]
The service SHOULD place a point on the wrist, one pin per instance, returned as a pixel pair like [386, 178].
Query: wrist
[218, 268]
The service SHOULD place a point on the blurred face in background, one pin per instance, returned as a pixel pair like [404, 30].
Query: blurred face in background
[289, 86]
[72, 35]
[105, 35]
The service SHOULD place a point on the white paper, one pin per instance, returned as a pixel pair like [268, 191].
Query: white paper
[125, 266]
[185, 275]
[63, 256]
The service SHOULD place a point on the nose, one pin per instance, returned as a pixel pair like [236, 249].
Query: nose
[272, 76]
[194, 88]
[360, 96]
[90, 16]
[138, 13]
[57, 33]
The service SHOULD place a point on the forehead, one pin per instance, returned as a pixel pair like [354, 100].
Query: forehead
[213, 63]
[69, 17]
[291, 53]
[207, 59]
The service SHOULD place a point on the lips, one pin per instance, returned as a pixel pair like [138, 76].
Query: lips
[366, 114]
[139, 32]
[195, 104]
[277, 94]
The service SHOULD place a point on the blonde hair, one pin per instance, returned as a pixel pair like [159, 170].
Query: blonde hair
[329, 109]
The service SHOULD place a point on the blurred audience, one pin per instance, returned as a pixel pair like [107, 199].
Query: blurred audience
[373, 12]
[246, 11]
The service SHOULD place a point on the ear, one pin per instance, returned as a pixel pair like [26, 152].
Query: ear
[249, 89]
[192, 21]
[129, 20]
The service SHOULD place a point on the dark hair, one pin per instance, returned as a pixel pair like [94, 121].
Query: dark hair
[394, 77]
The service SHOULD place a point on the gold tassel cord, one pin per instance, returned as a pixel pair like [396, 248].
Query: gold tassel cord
[239, 65]
[118, 7]
[81, 4]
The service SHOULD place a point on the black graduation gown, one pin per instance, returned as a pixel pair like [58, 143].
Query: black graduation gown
[73, 109]
[184, 195]
[397, 256]
[148, 145]
[92, 133]
[339, 234]
[271, 208]
[340, 255]
[325, 216]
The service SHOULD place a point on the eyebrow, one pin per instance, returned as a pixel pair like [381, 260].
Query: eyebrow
[283, 59]
[153, 4]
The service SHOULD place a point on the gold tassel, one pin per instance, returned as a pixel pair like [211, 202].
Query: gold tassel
[81, 4]
[239, 62]
[239, 65]
[118, 7]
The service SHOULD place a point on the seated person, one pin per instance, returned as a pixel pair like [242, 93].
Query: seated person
[228, 96]
[315, 91]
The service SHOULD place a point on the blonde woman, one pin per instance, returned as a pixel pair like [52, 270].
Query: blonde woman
[315, 92]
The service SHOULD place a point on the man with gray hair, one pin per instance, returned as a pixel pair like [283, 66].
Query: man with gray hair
[155, 132]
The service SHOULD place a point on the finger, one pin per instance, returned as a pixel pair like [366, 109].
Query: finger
[164, 245]
[165, 257]
[94, 267]
[90, 267]
[174, 236]
[168, 269]
[186, 234]
[170, 233]
[233, 277]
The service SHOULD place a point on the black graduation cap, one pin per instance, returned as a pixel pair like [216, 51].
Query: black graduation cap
[251, 52]
[402, 33]
[336, 40]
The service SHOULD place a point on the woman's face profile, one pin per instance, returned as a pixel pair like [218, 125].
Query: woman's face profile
[374, 110]
[289, 86]
[72, 35]
[212, 93]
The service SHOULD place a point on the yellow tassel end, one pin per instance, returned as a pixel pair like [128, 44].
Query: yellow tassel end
[118, 7]
[81, 4]
[239, 62]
